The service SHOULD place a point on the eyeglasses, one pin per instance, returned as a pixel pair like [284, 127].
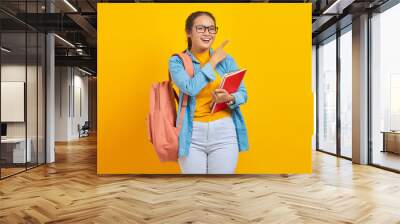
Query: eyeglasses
[202, 29]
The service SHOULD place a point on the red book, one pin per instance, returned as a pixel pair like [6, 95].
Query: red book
[230, 83]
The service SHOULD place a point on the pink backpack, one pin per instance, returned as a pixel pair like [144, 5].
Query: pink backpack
[161, 119]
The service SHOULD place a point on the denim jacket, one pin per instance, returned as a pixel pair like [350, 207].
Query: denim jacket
[192, 86]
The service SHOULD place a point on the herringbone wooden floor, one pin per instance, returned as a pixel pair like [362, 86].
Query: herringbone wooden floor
[69, 191]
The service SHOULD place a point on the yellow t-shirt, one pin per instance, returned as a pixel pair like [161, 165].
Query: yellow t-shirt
[204, 97]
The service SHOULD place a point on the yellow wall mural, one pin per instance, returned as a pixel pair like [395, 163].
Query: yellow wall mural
[272, 41]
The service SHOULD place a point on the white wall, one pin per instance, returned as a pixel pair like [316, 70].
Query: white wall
[81, 84]
[62, 78]
[12, 101]
[13, 73]
[71, 87]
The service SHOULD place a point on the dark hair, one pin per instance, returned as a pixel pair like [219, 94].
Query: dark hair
[190, 20]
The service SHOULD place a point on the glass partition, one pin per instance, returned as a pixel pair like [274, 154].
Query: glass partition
[14, 153]
[41, 109]
[22, 77]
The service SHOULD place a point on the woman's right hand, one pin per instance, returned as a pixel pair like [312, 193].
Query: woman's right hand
[218, 55]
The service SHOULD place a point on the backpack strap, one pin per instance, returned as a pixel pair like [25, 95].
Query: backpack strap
[188, 65]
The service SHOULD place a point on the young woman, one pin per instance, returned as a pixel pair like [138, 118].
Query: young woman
[209, 143]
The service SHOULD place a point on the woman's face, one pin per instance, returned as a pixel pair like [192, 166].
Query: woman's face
[203, 33]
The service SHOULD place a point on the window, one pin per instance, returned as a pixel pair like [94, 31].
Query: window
[327, 95]
[385, 88]
[346, 93]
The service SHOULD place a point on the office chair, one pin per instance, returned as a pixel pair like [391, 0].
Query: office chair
[84, 130]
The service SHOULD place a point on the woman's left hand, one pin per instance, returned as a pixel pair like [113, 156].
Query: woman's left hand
[222, 96]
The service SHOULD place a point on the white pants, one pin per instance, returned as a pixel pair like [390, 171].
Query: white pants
[213, 148]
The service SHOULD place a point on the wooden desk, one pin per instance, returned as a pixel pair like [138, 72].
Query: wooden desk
[391, 141]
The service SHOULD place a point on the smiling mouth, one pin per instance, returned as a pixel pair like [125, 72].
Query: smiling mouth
[206, 40]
